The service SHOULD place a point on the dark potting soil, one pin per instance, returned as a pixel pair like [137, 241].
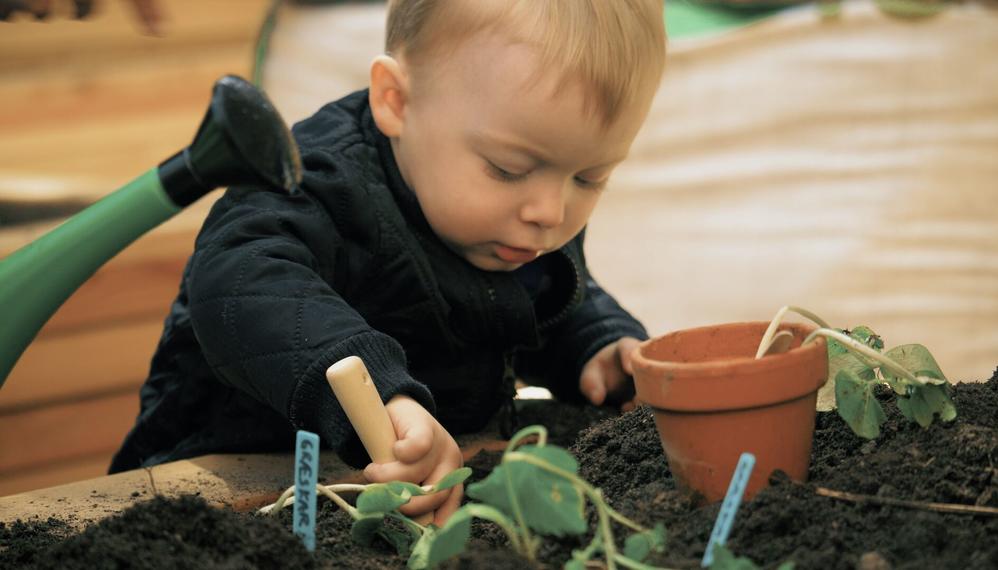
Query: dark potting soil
[956, 462]
[159, 533]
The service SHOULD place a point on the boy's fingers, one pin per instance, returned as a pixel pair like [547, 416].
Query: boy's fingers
[449, 506]
[449, 461]
[424, 504]
[619, 392]
[396, 471]
[374, 472]
[416, 442]
[592, 384]
[626, 351]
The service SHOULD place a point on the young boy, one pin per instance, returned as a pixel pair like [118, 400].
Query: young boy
[437, 235]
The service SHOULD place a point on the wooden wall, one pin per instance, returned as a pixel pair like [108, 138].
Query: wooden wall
[87, 106]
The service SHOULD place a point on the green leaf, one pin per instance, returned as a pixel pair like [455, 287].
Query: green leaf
[366, 528]
[916, 359]
[844, 362]
[550, 503]
[420, 557]
[857, 404]
[437, 545]
[724, 559]
[840, 358]
[581, 557]
[639, 545]
[451, 479]
[861, 334]
[866, 336]
[849, 361]
[924, 402]
[386, 497]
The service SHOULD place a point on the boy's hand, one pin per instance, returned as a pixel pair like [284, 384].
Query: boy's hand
[606, 378]
[424, 453]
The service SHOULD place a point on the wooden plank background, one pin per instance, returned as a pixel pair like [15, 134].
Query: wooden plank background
[87, 106]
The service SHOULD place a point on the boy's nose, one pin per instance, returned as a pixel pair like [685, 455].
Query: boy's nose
[545, 206]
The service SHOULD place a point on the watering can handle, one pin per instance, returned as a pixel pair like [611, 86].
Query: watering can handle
[242, 140]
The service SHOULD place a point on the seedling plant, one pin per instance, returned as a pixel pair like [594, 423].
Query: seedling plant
[535, 491]
[858, 364]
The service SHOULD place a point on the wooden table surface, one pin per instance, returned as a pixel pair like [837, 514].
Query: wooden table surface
[240, 482]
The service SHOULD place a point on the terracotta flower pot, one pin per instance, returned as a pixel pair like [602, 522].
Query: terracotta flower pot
[713, 400]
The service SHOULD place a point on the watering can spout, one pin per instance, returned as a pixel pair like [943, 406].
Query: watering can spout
[242, 140]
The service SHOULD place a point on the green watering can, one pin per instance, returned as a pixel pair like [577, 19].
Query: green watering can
[242, 140]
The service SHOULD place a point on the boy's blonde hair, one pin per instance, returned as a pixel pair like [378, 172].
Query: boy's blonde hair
[615, 47]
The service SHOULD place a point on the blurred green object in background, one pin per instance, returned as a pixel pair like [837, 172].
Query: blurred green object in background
[688, 18]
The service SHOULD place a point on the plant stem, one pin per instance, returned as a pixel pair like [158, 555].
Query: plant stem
[414, 527]
[609, 544]
[279, 503]
[540, 431]
[856, 346]
[590, 549]
[624, 520]
[767, 337]
[502, 521]
[588, 489]
[629, 563]
[328, 490]
[529, 544]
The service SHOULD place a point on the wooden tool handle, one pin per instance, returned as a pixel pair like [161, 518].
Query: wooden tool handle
[355, 390]
[357, 394]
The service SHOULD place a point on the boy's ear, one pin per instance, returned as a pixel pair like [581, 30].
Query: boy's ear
[389, 92]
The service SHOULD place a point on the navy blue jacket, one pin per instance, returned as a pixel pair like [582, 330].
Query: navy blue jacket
[280, 286]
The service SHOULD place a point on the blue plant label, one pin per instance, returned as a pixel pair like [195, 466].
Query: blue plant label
[729, 508]
[306, 478]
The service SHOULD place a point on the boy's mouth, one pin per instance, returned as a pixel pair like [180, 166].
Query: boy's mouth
[516, 254]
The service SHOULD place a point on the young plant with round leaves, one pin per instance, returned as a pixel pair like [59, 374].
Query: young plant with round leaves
[857, 364]
[377, 502]
[536, 490]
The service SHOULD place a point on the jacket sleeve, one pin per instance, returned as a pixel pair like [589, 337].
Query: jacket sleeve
[267, 306]
[598, 321]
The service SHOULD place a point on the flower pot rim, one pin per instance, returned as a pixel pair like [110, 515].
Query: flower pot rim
[723, 366]
[731, 383]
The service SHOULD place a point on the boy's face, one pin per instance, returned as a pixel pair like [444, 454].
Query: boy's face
[505, 170]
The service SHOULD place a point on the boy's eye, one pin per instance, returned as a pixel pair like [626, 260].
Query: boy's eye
[590, 184]
[504, 175]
